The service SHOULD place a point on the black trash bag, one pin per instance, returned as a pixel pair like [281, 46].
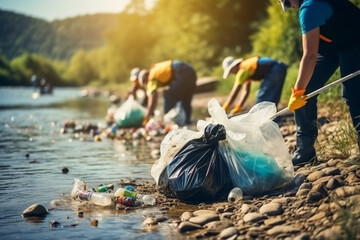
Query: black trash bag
[198, 172]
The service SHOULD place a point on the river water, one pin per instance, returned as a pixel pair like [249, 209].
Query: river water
[33, 153]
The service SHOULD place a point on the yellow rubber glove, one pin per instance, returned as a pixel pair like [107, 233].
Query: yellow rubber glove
[145, 120]
[235, 110]
[226, 106]
[297, 99]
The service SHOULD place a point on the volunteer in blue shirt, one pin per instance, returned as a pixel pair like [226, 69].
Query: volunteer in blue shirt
[330, 39]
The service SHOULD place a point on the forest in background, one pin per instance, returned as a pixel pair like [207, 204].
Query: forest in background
[101, 49]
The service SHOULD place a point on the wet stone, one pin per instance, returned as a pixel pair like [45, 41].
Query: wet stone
[271, 209]
[150, 221]
[186, 216]
[35, 210]
[228, 232]
[347, 191]
[282, 229]
[317, 217]
[203, 212]
[312, 177]
[253, 217]
[274, 221]
[331, 170]
[218, 225]
[201, 220]
[334, 183]
[305, 186]
[188, 226]
[302, 192]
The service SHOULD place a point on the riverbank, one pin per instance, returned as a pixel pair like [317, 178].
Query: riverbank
[322, 202]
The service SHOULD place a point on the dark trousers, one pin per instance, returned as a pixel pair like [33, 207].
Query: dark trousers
[181, 88]
[305, 117]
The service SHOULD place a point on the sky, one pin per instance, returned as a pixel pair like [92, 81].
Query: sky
[59, 9]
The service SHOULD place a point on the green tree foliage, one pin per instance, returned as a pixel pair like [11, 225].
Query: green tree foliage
[59, 39]
[203, 32]
[26, 65]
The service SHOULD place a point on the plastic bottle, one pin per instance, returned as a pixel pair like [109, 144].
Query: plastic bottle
[78, 186]
[126, 201]
[101, 199]
[148, 200]
[235, 195]
[104, 188]
[122, 192]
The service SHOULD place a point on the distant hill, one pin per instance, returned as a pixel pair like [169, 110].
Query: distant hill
[58, 39]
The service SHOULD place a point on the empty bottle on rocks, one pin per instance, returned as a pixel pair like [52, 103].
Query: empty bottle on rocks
[100, 199]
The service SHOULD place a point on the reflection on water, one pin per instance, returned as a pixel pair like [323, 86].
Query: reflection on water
[33, 153]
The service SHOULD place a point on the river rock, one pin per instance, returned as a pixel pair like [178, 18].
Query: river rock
[218, 225]
[312, 177]
[347, 191]
[228, 232]
[203, 219]
[282, 229]
[186, 216]
[253, 217]
[35, 210]
[188, 226]
[203, 212]
[274, 221]
[271, 209]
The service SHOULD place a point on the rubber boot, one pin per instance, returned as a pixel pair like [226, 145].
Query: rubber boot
[305, 151]
[306, 133]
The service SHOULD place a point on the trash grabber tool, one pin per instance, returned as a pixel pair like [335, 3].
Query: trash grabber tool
[318, 91]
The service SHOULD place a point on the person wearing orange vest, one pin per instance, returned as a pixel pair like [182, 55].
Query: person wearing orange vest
[272, 73]
[178, 76]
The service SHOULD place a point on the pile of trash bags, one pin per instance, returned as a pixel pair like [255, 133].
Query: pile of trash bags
[131, 114]
[246, 151]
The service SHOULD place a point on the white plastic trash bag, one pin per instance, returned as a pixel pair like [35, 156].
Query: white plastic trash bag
[130, 113]
[254, 148]
[176, 115]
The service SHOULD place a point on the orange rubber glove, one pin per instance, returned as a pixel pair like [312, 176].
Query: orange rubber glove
[145, 120]
[297, 99]
[226, 106]
[235, 110]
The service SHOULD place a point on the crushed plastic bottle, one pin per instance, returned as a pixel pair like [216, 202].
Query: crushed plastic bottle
[122, 192]
[100, 199]
[235, 195]
[78, 187]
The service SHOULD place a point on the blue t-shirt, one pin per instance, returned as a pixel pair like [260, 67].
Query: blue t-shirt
[264, 60]
[313, 14]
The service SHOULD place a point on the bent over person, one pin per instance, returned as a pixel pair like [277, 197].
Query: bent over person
[271, 72]
[330, 38]
[180, 78]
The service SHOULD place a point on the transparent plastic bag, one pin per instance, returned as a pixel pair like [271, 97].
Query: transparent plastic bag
[254, 148]
[130, 113]
[176, 115]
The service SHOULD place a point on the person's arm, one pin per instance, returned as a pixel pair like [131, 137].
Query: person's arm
[233, 94]
[152, 102]
[132, 90]
[245, 90]
[310, 44]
